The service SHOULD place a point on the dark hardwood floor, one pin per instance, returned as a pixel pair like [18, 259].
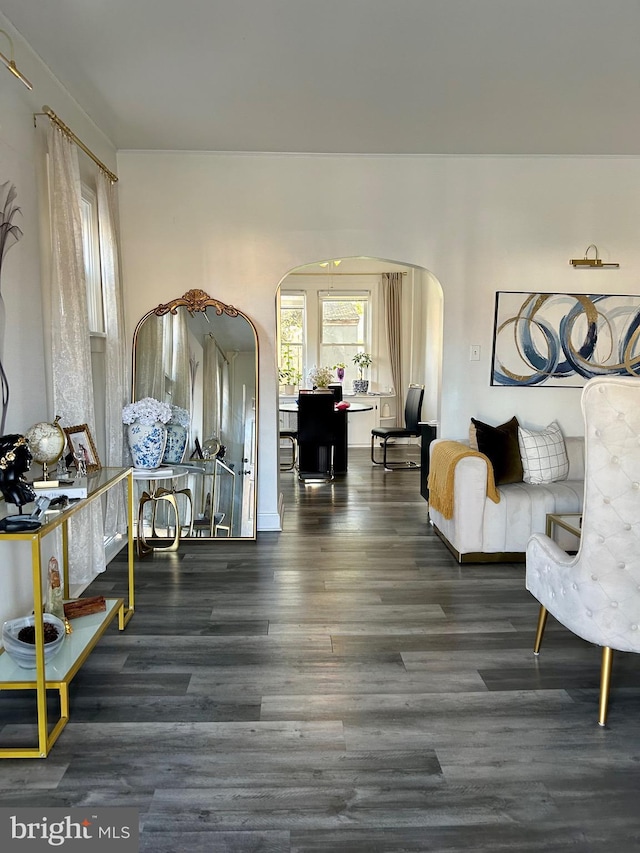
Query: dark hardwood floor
[342, 686]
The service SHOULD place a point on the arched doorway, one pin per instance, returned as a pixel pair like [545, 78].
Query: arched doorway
[330, 308]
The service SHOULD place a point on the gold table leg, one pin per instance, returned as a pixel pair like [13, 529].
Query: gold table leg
[187, 494]
[144, 547]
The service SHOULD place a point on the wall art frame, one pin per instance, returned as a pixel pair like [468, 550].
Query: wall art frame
[564, 339]
[80, 442]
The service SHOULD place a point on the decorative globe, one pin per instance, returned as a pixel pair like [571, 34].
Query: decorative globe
[210, 447]
[46, 442]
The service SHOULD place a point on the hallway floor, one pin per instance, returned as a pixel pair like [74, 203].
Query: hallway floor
[342, 687]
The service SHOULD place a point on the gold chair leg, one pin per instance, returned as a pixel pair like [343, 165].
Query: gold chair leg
[605, 684]
[542, 621]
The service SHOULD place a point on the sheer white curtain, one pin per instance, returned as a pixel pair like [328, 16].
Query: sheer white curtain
[392, 294]
[162, 359]
[226, 409]
[70, 349]
[149, 360]
[212, 390]
[117, 384]
[180, 395]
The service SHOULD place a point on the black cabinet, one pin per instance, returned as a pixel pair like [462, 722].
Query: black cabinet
[428, 431]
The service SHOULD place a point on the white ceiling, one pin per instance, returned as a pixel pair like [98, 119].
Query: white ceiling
[348, 76]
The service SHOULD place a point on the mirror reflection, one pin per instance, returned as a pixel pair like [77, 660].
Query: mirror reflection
[200, 355]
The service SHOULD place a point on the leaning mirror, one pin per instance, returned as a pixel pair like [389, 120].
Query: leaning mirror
[201, 356]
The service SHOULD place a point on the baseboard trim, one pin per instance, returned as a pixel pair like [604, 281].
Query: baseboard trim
[269, 521]
[481, 556]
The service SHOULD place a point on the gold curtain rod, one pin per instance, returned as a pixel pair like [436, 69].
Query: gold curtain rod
[47, 111]
[219, 348]
[333, 274]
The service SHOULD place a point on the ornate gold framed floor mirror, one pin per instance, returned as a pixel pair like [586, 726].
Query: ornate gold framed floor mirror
[200, 356]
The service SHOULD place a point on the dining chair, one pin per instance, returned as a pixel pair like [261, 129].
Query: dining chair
[596, 593]
[317, 435]
[290, 435]
[411, 428]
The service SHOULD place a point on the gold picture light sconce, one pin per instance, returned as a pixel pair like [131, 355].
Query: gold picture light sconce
[11, 65]
[588, 263]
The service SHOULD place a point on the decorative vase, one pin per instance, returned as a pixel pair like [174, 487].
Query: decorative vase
[147, 443]
[340, 373]
[361, 386]
[176, 444]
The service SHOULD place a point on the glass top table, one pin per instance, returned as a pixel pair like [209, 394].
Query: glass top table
[570, 521]
[292, 406]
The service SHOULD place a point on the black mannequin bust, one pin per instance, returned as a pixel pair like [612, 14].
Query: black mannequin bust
[15, 460]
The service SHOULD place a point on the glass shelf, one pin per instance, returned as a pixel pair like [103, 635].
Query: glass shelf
[87, 630]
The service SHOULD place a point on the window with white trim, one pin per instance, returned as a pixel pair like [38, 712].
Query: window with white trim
[95, 309]
[91, 249]
[292, 337]
[345, 328]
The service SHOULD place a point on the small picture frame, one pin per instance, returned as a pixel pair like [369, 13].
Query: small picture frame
[81, 445]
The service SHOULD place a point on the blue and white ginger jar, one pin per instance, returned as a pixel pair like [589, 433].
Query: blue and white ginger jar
[176, 444]
[147, 443]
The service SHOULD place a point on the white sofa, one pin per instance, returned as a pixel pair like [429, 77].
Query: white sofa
[483, 531]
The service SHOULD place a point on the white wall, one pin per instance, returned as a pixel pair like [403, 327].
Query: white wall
[434, 337]
[234, 225]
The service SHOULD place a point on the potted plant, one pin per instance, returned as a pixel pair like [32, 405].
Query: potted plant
[339, 369]
[289, 377]
[320, 377]
[288, 373]
[361, 360]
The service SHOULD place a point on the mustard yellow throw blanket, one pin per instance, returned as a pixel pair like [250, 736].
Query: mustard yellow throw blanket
[444, 458]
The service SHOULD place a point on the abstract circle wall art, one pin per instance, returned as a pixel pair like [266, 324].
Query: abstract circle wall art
[564, 339]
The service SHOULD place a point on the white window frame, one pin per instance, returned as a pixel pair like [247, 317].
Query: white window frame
[303, 346]
[363, 345]
[92, 266]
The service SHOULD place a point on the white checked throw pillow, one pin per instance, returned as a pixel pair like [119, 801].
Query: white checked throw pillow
[544, 455]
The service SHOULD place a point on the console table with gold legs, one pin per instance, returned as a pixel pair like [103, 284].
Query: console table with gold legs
[58, 672]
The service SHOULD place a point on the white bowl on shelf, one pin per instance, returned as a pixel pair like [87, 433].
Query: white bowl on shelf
[24, 654]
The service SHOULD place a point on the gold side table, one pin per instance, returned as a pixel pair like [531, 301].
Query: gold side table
[157, 495]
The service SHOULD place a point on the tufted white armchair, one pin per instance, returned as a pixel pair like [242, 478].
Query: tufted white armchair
[596, 594]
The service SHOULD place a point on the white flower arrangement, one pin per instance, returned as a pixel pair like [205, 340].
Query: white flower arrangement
[146, 411]
[320, 377]
[180, 416]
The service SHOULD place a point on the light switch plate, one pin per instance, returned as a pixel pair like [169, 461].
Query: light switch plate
[474, 352]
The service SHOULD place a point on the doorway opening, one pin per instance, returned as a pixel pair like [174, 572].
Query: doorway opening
[330, 311]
